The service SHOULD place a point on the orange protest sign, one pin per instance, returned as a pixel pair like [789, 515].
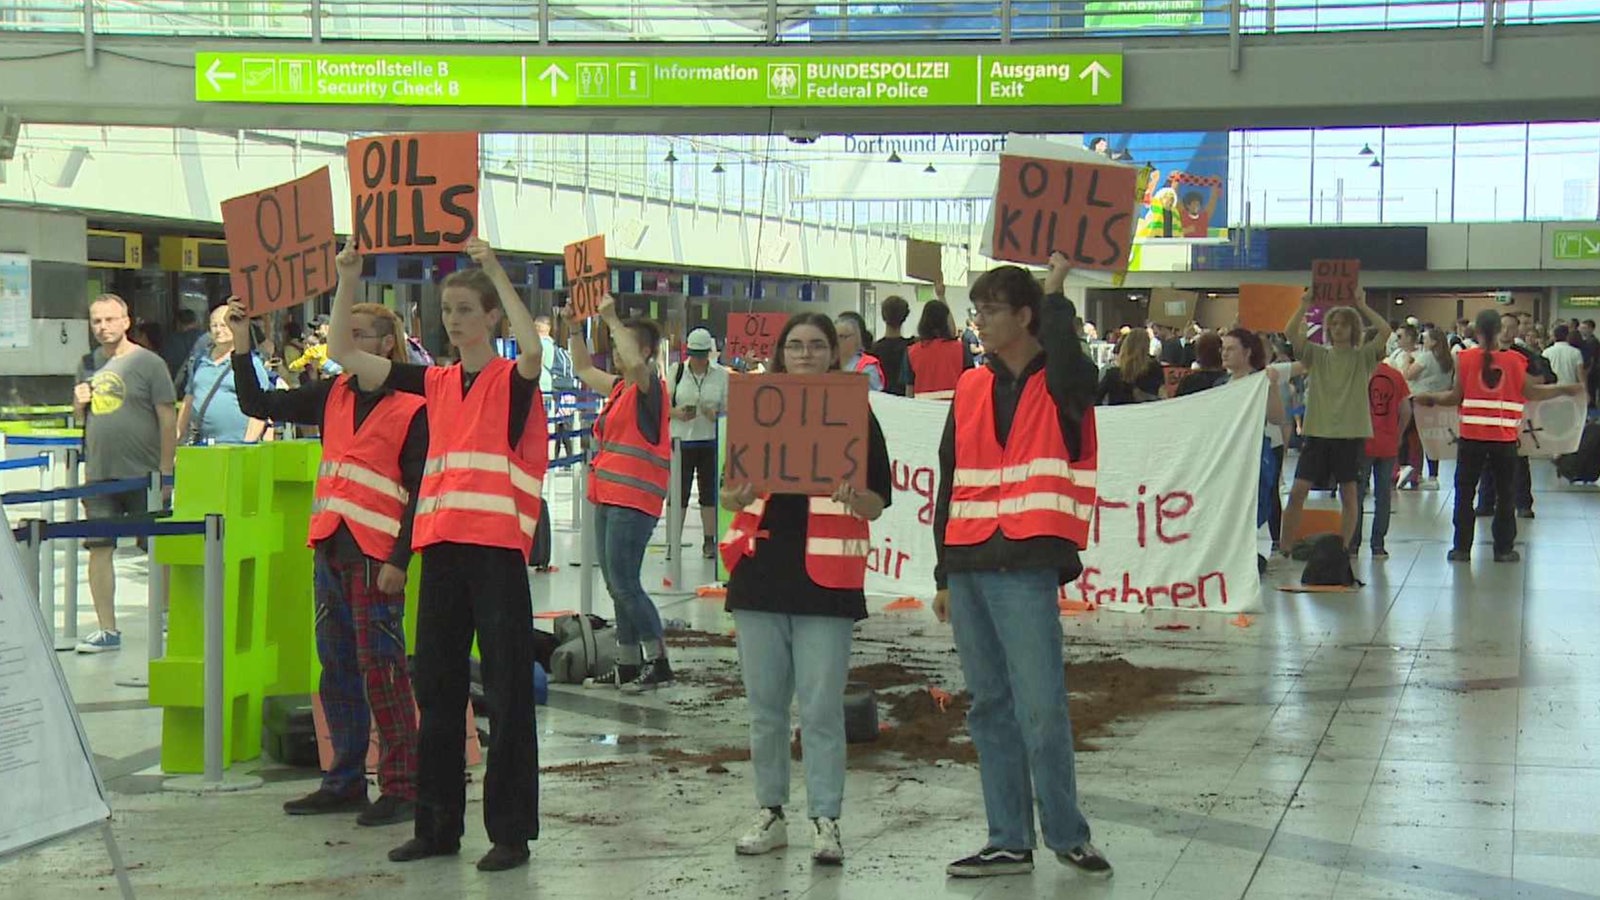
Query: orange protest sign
[413, 193]
[752, 335]
[281, 243]
[1334, 282]
[1082, 209]
[797, 434]
[1268, 307]
[588, 275]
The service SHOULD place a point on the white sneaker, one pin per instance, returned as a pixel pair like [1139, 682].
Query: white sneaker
[825, 847]
[768, 832]
[1430, 484]
[101, 642]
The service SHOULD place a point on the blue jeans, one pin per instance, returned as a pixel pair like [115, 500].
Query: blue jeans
[784, 656]
[622, 534]
[1378, 474]
[1008, 633]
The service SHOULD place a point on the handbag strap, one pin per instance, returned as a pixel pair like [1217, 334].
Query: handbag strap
[200, 414]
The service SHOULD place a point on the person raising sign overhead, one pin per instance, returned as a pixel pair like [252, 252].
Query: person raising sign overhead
[1016, 492]
[938, 357]
[628, 485]
[476, 514]
[797, 568]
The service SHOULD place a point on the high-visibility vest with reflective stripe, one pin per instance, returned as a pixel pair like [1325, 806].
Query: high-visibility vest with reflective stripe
[868, 361]
[359, 482]
[936, 368]
[836, 542]
[1030, 487]
[1491, 414]
[627, 470]
[476, 487]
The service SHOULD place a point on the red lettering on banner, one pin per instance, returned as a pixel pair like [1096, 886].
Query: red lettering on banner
[921, 481]
[1168, 508]
[886, 560]
[1210, 589]
[1184, 504]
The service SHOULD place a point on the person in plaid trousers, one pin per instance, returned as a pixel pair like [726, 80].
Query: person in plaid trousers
[375, 445]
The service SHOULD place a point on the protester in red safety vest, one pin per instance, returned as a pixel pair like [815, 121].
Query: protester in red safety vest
[374, 444]
[1016, 493]
[797, 566]
[477, 510]
[938, 357]
[853, 357]
[1491, 387]
[628, 482]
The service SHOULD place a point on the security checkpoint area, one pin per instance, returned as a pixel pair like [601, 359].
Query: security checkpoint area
[684, 206]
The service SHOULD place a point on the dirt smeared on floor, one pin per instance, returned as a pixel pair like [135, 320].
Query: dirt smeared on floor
[580, 770]
[1106, 690]
[687, 637]
[883, 675]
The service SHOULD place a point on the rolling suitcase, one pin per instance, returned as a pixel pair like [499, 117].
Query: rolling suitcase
[1584, 465]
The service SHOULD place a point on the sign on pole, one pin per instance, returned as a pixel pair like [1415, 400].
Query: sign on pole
[281, 243]
[753, 335]
[413, 193]
[924, 260]
[1268, 307]
[797, 434]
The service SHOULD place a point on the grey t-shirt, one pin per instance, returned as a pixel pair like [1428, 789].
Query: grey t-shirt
[122, 437]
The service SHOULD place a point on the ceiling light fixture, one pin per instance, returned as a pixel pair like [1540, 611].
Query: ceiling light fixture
[894, 156]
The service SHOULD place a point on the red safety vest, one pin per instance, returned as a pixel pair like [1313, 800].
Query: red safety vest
[836, 542]
[1491, 414]
[1030, 487]
[627, 470]
[936, 368]
[476, 487]
[867, 361]
[359, 481]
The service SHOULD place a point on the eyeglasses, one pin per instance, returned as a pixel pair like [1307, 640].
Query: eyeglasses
[801, 348]
[990, 310]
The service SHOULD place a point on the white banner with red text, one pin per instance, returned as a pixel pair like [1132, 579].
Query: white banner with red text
[1549, 428]
[1175, 522]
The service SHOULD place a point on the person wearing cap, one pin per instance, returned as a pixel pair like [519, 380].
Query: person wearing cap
[698, 390]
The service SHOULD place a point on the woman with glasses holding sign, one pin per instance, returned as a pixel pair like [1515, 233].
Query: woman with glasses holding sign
[477, 509]
[797, 569]
[628, 482]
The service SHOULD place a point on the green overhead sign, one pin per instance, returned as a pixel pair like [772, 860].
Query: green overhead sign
[1066, 79]
[1576, 244]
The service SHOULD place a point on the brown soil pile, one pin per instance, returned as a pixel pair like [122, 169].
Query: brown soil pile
[919, 730]
[885, 675]
[581, 770]
[692, 638]
[1105, 690]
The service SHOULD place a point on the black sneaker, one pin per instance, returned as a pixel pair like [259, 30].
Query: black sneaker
[656, 672]
[388, 810]
[1088, 860]
[1483, 512]
[420, 848]
[1507, 556]
[323, 802]
[619, 675]
[1460, 556]
[1525, 513]
[990, 861]
[708, 548]
[504, 856]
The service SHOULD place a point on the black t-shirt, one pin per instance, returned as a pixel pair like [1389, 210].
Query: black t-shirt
[412, 379]
[1195, 382]
[774, 579]
[891, 352]
[1114, 391]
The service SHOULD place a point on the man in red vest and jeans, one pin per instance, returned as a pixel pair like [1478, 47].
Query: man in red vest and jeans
[374, 447]
[1016, 491]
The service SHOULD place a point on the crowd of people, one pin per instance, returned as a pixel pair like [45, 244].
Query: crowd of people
[448, 462]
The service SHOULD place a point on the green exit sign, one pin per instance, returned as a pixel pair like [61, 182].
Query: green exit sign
[1576, 244]
[821, 80]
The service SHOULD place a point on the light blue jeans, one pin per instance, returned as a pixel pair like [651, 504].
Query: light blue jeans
[622, 534]
[1008, 633]
[784, 657]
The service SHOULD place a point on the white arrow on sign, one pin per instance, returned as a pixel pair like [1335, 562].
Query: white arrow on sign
[215, 75]
[1594, 248]
[1095, 72]
[555, 75]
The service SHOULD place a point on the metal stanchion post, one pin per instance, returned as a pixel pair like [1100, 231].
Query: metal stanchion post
[155, 590]
[33, 550]
[675, 517]
[216, 777]
[47, 558]
[588, 558]
[580, 485]
[69, 603]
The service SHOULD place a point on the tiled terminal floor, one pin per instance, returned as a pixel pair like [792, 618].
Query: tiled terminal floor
[1435, 735]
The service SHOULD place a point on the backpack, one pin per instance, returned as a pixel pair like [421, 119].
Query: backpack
[1329, 564]
[588, 648]
[562, 377]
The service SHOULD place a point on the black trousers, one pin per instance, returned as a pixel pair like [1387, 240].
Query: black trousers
[471, 590]
[1522, 481]
[1474, 459]
[697, 463]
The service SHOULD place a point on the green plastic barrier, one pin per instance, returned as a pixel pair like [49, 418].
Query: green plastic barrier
[264, 493]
